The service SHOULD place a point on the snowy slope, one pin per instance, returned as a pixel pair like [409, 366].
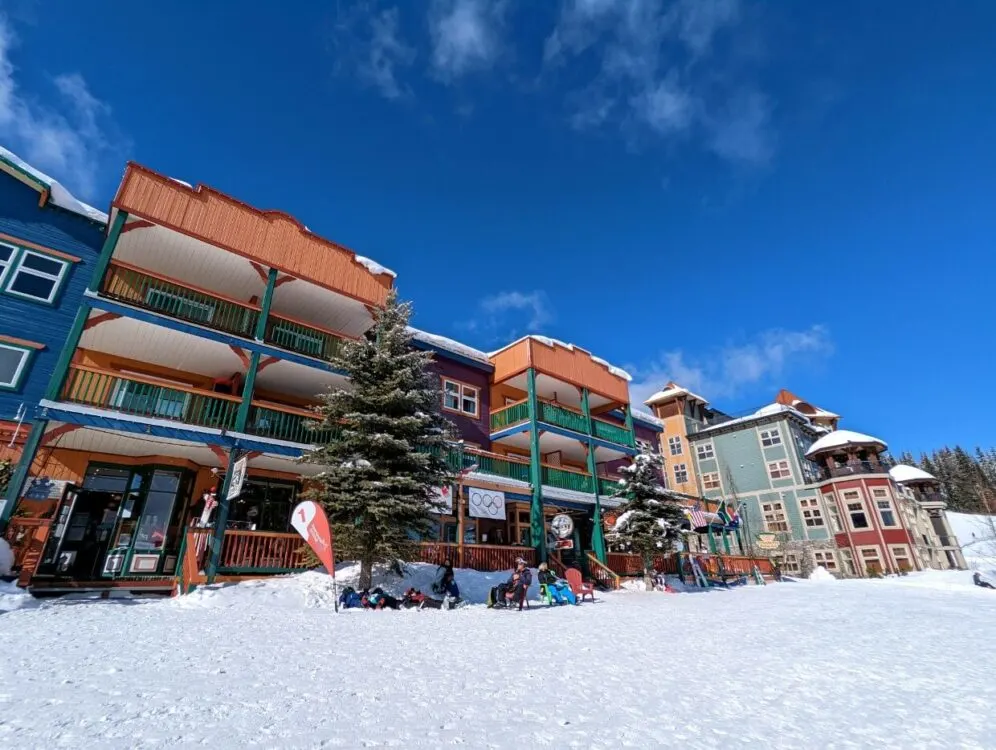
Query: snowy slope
[880, 664]
[977, 539]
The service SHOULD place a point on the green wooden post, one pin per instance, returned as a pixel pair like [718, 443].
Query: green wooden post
[221, 518]
[537, 524]
[264, 307]
[104, 259]
[61, 369]
[726, 541]
[20, 476]
[586, 410]
[597, 534]
[712, 539]
[242, 418]
[631, 437]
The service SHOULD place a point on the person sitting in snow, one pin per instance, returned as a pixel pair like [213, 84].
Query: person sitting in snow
[349, 599]
[446, 581]
[558, 588]
[415, 599]
[519, 582]
[979, 580]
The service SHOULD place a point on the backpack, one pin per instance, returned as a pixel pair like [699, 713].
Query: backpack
[526, 578]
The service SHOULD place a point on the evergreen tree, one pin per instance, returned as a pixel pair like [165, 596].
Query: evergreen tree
[968, 480]
[650, 520]
[381, 474]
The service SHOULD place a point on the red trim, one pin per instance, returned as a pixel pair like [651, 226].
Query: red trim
[138, 224]
[220, 452]
[258, 268]
[58, 432]
[21, 342]
[283, 280]
[266, 363]
[102, 318]
[240, 354]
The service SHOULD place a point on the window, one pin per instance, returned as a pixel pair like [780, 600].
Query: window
[13, 363]
[680, 474]
[135, 397]
[770, 438]
[37, 276]
[674, 443]
[811, 514]
[857, 513]
[790, 563]
[871, 560]
[834, 514]
[774, 517]
[705, 451]
[7, 254]
[879, 492]
[886, 513]
[779, 470]
[711, 481]
[461, 398]
[848, 561]
[827, 559]
[902, 557]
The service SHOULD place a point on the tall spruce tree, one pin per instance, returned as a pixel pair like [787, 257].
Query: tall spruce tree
[650, 520]
[382, 472]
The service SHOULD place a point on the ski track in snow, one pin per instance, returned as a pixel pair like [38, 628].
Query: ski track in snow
[903, 663]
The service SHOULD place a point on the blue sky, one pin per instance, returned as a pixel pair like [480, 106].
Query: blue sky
[738, 195]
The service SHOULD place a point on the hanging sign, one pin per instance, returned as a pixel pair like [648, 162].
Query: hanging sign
[309, 520]
[442, 501]
[562, 526]
[238, 478]
[486, 503]
[564, 544]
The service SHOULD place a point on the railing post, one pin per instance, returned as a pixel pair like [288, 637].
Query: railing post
[597, 534]
[20, 476]
[104, 259]
[264, 307]
[630, 434]
[242, 418]
[537, 525]
[221, 519]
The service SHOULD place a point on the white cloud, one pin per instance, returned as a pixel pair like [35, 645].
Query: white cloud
[509, 315]
[466, 35]
[735, 368]
[70, 141]
[387, 52]
[655, 73]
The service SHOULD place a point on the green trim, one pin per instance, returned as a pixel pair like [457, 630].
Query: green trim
[104, 259]
[598, 533]
[66, 355]
[25, 368]
[537, 525]
[631, 433]
[43, 187]
[264, 308]
[17, 481]
[221, 518]
[242, 418]
[726, 541]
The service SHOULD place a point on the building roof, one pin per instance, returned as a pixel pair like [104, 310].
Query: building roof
[771, 410]
[647, 418]
[435, 341]
[617, 371]
[842, 438]
[670, 391]
[902, 474]
[13, 164]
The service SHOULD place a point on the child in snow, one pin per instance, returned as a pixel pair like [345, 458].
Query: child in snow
[558, 588]
[446, 581]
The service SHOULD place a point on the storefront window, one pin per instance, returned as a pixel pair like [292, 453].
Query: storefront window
[158, 508]
[264, 505]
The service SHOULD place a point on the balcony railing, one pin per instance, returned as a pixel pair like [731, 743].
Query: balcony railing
[188, 302]
[149, 397]
[262, 552]
[608, 486]
[288, 423]
[568, 480]
[854, 467]
[509, 415]
[566, 418]
[502, 466]
[612, 432]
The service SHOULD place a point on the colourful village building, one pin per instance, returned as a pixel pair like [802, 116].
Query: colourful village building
[919, 495]
[49, 242]
[682, 413]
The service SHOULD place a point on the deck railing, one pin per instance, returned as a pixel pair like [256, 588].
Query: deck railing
[288, 423]
[192, 559]
[509, 415]
[302, 338]
[482, 557]
[149, 397]
[26, 537]
[262, 552]
[179, 299]
[624, 564]
[608, 486]
[739, 565]
[556, 476]
[602, 574]
[562, 417]
[611, 432]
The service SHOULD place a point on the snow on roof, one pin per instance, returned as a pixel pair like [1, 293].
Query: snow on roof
[374, 267]
[673, 392]
[764, 411]
[449, 345]
[58, 194]
[841, 438]
[617, 371]
[646, 417]
[902, 473]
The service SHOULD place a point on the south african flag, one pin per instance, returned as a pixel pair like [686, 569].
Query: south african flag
[728, 515]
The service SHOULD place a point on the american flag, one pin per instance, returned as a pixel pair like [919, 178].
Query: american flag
[697, 517]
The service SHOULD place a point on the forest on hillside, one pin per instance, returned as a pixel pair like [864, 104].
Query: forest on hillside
[968, 480]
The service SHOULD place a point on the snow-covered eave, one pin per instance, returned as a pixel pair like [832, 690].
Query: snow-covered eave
[59, 196]
[668, 393]
[740, 422]
[550, 341]
[373, 266]
[447, 345]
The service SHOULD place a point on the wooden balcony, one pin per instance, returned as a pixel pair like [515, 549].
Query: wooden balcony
[561, 416]
[271, 238]
[188, 302]
[482, 557]
[155, 398]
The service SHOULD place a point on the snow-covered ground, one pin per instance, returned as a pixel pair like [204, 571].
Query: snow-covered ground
[895, 663]
[977, 536]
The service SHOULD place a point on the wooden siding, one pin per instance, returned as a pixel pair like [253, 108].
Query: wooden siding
[574, 366]
[55, 229]
[270, 237]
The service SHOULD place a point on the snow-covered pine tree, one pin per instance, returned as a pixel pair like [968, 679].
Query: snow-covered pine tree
[381, 474]
[650, 521]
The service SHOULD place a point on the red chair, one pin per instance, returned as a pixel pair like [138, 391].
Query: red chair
[580, 588]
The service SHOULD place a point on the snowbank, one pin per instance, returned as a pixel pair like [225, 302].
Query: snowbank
[11, 598]
[6, 557]
[821, 575]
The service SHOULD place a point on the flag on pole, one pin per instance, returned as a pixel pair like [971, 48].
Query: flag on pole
[728, 515]
[697, 517]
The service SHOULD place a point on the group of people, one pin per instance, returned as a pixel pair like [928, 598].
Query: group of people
[513, 592]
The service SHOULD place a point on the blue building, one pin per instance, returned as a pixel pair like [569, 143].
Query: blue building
[48, 244]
